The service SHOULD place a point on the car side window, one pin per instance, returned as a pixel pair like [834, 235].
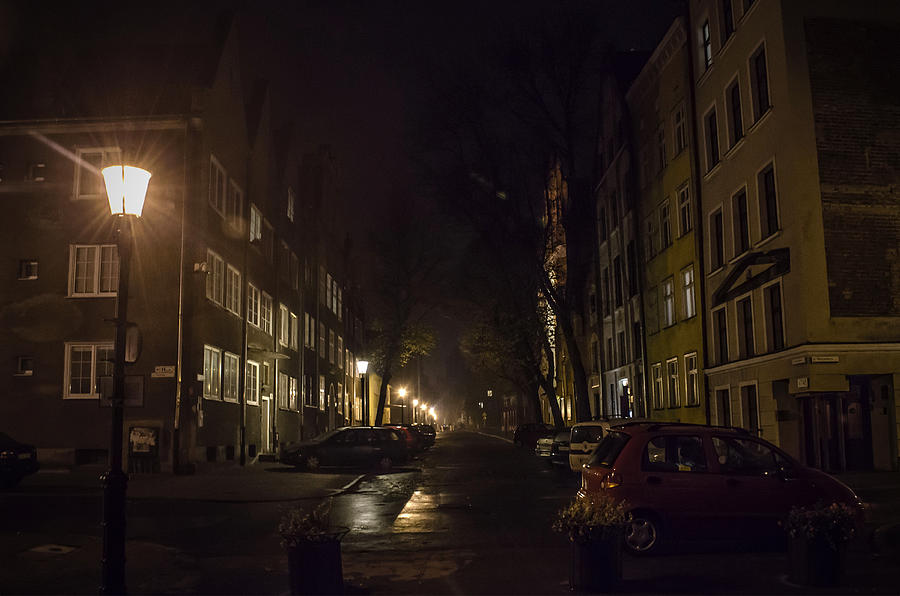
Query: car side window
[674, 453]
[745, 456]
[345, 438]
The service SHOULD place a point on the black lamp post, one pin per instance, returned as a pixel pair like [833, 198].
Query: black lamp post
[126, 188]
[362, 367]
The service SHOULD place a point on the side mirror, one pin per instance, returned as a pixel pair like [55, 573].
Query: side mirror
[787, 472]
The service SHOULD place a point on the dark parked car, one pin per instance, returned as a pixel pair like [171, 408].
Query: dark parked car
[526, 435]
[428, 433]
[17, 460]
[692, 481]
[559, 450]
[353, 446]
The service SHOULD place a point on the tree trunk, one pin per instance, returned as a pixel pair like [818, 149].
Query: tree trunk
[382, 398]
[582, 405]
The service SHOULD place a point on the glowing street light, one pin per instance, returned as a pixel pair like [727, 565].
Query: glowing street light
[402, 393]
[362, 367]
[126, 189]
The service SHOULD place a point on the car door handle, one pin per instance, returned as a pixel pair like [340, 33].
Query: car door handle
[654, 480]
[732, 483]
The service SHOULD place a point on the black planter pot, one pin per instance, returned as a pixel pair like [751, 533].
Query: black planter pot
[597, 564]
[814, 562]
[315, 565]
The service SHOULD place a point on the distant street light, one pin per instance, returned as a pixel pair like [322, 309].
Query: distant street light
[126, 189]
[362, 367]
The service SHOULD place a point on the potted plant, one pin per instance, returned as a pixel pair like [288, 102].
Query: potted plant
[314, 550]
[595, 526]
[817, 542]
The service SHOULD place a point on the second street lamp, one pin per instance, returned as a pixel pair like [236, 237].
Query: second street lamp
[126, 189]
[362, 367]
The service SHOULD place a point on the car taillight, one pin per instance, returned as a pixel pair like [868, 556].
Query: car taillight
[611, 480]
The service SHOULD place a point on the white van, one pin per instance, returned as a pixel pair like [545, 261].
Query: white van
[585, 436]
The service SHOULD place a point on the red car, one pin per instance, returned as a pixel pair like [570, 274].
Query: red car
[692, 481]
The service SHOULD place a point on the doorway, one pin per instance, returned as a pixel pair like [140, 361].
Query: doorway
[265, 424]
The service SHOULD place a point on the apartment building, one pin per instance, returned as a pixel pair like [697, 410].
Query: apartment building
[797, 125]
[224, 271]
[659, 103]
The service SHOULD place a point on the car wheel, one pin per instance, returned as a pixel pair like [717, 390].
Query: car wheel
[642, 534]
[385, 463]
[312, 463]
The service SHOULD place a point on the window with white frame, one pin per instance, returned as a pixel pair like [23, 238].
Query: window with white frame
[251, 383]
[692, 376]
[334, 298]
[665, 229]
[656, 374]
[233, 290]
[218, 185]
[329, 288]
[668, 302]
[234, 206]
[688, 292]
[283, 391]
[230, 369]
[290, 203]
[672, 376]
[705, 44]
[685, 214]
[215, 277]
[331, 346]
[678, 126]
[740, 222]
[212, 372]
[86, 363]
[89, 182]
[284, 325]
[340, 311]
[293, 394]
[255, 224]
[322, 392]
[340, 352]
[295, 331]
[265, 313]
[252, 305]
[93, 270]
[759, 80]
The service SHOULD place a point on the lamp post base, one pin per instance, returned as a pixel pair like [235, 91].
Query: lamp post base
[112, 563]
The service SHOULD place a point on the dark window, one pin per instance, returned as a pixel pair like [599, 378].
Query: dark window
[674, 453]
[623, 357]
[706, 45]
[737, 122]
[760, 77]
[741, 223]
[745, 327]
[604, 290]
[717, 248]
[610, 356]
[637, 339]
[750, 408]
[727, 20]
[28, 269]
[768, 202]
[595, 356]
[721, 331]
[617, 272]
[632, 270]
[774, 323]
[601, 225]
[712, 140]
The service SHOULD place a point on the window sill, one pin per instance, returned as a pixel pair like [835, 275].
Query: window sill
[767, 239]
[82, 397]
[212, 398]
[760, 121]
[735, 147]
[712, 171]
[82, 296]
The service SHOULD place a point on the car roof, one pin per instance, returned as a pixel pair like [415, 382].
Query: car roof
[651, 426]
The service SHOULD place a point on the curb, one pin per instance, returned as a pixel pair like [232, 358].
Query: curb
[510, 441]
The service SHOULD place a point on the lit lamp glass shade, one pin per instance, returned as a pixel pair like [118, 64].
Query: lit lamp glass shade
[362, 366]
[126, 189]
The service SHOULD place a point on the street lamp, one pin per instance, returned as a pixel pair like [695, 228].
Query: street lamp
[402, 393]
[415, 405]
[431, 413]
[126, 189]
[362, 367]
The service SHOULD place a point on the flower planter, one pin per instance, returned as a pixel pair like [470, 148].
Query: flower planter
[314, 564]
[815, 562]
[596, 564]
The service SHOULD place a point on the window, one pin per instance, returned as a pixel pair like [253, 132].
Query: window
[265, 313]
[668, 302]
[741, 223]
[674, 453]
[233, 290]
[293, 394]
[252, 305]
[632, 269]
[94, 270]
[321, 339]
[234, 207]
[230, 367]
[656, 373]
[759, 79]
[653, 310]
[28, 269]
[24, 366]
[217, 185]
[37, 171]
[717, 241]
[665, 229]
[251, 383]
[309, 395]
[727, 20]
[340, 304]
[685, 216]
[768, 201]
[774, 323]
[623, 355]
[692, 376]
[309, 333]
[290, 204]
[746, 456]
[652, 241]
[617, 267]
[86, 363]
[610, 354]
[712, 140]
[720, 332]
[678, 126]
[328, 291]
[89, 182]
[283, 391]
[749, 409]
[734, 111]
[322, 284]
[745, 327]
[688, 292]
[284, 329]
[722, 408]
[215, 277]
[706, 45]
[340, 352]
[255, 224]
[212, 372]
[295, 331]
[268, 242]
[605, 297]
[331, 346]
[322, 392]
[295, 271]
[672, 376]
[595, 356]
[661, 147]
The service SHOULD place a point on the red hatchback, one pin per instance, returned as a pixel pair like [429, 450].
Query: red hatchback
[693, 481]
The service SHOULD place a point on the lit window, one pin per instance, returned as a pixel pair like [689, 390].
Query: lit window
[688, 292]
[284, 333]
[255, 224]
[706, 44]
[295, 331]
[692, 378]
[283, 391]
[293, 394]
[215, 277]
[265, 313]
[230, 367]
[672, 375]
[86, 363]
[340, 351]
[668, 302]
[251, 383]
[212, 372]
[252, 305]
[94, 270]
[290, 204]
[233, 290]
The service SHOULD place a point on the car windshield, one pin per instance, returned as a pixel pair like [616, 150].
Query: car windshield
[586, 434]
[609, 448]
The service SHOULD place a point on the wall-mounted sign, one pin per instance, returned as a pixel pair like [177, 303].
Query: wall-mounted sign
[163, 371]
[802, 382]
[825, 359]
